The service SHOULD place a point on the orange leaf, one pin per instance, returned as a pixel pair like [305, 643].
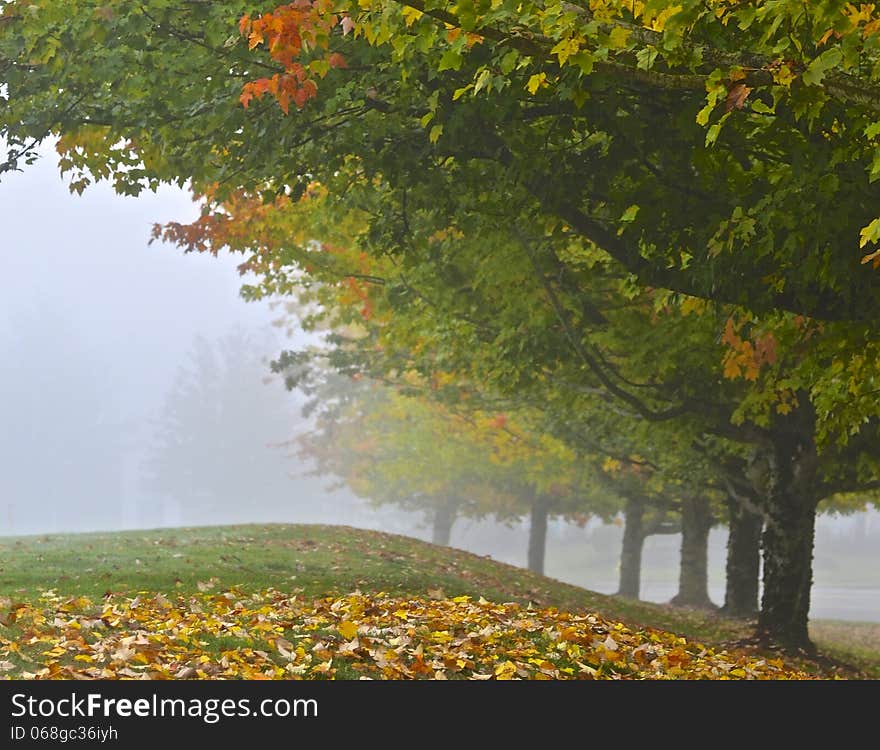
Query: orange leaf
[337, 61]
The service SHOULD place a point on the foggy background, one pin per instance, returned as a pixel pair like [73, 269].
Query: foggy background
[115, 354]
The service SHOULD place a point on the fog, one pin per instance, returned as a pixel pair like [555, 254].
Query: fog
[117, 352]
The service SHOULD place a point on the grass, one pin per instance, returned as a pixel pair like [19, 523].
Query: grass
[319, 560]
[853, 643]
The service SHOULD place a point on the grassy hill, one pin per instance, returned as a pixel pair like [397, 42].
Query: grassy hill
[197, 564]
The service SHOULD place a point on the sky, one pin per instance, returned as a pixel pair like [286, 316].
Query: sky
[98, 329]
[134, 307]
[99, 335]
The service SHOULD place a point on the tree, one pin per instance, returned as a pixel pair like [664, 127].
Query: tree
[742, 577]
[637, 527]
[397, 443]
[424, 309]
[217, 443]
[744, 146]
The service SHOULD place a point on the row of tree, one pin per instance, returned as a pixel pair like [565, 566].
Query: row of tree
[396, 444]
[653, 224]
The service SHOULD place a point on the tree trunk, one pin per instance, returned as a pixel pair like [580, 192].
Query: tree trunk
[631, 550]
[693, 581]
[788, 573]
[743, 560]
[790, 492]
[538, 535]
[444, 518]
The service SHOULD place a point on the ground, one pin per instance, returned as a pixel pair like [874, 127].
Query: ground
[170, 601]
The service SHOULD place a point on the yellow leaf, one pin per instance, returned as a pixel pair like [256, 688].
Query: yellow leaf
[411, 15]
[323, 667]
[783, 76]
[565, 49]
[611, 465]
[658, 22]
[535, 82]
[692, 305]
[870, 233]
[347, 630]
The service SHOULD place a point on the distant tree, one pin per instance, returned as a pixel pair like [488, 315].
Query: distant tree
[400, 445]
[217, 443]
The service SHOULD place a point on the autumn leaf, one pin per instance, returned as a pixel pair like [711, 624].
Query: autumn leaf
[336, 60]
[276, 635]
[535, 82]
[736, 96]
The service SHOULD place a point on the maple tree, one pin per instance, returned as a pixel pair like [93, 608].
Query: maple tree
[418, 311]
[640, 171]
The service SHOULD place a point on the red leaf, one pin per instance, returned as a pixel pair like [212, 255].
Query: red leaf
[337, 61]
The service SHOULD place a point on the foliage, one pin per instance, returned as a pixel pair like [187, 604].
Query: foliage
[274, 634]
[419, 453]
[637, 136]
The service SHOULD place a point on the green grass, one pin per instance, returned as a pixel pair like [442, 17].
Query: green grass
[854, 643]
[319, 560]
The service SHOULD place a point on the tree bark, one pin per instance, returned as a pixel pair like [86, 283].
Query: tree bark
[444, 518]
[538, 535]
[790, 492]
[743, 560]
[631, 549]
[788, 574]
[693, 580]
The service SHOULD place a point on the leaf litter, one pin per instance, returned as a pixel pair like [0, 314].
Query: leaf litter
[272, 634]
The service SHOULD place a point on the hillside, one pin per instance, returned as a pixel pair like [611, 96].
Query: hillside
[78, 602]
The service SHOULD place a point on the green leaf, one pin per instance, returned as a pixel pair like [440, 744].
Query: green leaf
[870, 233]
[645, 57]
[508, 62]
[618, 38]
[482, 80]
[584, 60]
[817, 69]
[630, 213]
[451, 60]
[458, 93]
